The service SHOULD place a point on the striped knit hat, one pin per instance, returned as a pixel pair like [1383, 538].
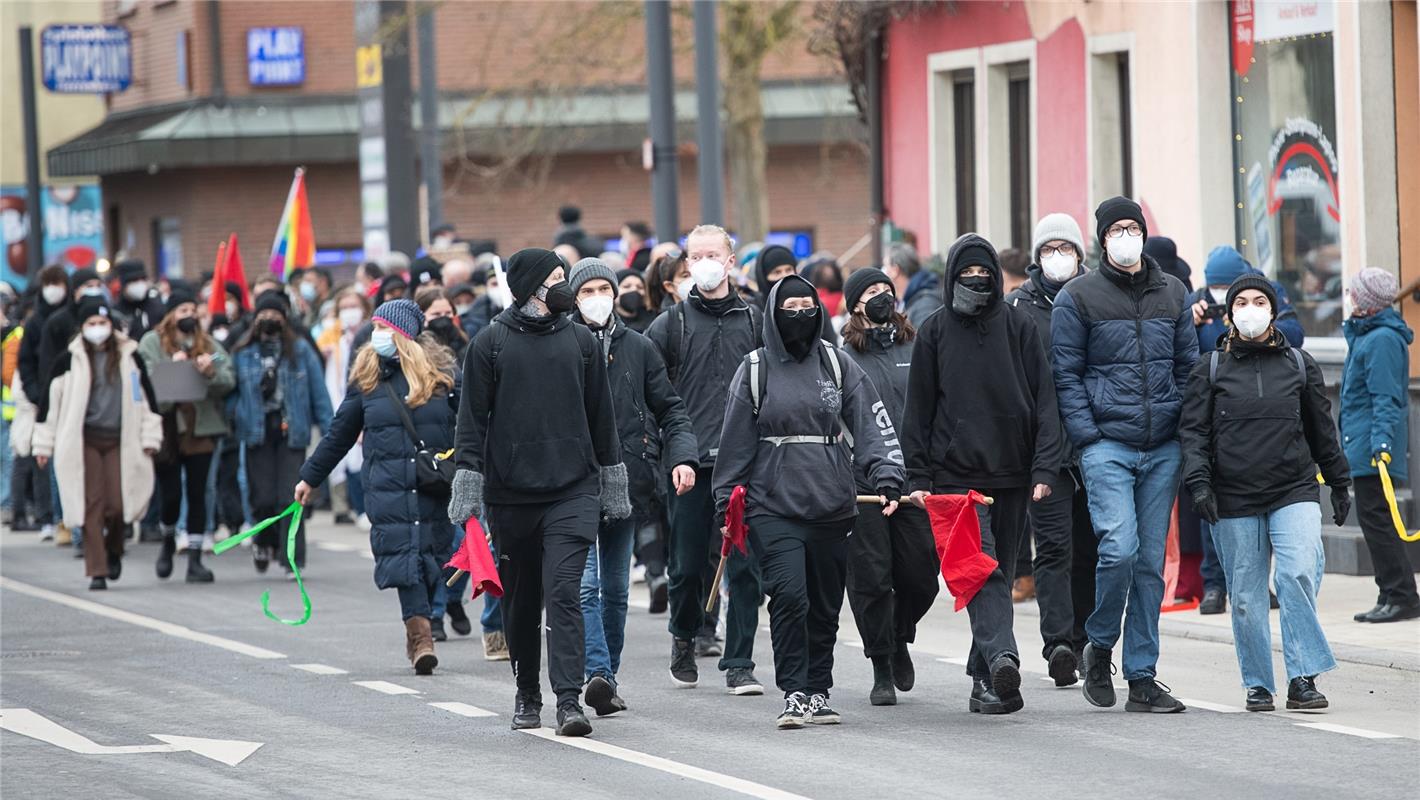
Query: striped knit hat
[403, 315]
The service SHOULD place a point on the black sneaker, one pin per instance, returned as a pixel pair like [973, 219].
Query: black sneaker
[1099, 685]
[684, 673]
[1214, 602]
[97, 584]
[1063, 666]
[660, 594]
[571, 721]
[1303, 696]
[1148, 695]
[527, 710]
[343, 519]
[904, 675]
[436, 628]
[115, 566]
[261, 558]
[820, 713]
[458, 619]
[708, 645]
[795, 713]
[1259, 699]
[741, 680]
[600, 695]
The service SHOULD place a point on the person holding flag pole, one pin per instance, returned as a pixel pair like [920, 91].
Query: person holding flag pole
[800, 415]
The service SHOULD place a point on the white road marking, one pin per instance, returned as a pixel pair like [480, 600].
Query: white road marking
[852, 643]
[1207, 706]
[320, 669]
[386, 687]
[960, 662]
[665, 765]
[141, 621]
[465, 710]
[338, 547]
[28, 723]
[1349, 731]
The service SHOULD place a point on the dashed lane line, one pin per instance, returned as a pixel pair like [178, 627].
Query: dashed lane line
[320, 669]
[385, 687]
[729, 782]
[169, 628]
[1330, 727]
[465, 710]
[1207, 706]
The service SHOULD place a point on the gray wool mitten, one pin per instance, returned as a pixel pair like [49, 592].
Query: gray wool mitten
[616, 501]
[466, 496]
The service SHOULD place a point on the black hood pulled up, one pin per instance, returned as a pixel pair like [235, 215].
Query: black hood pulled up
[773, 342]
[964, 252]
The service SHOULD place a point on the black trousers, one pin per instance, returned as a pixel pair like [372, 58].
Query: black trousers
[273, 470]
[1057, 523]
[1084, 558]
[542, 552]
[892, 576]
[805, 567]
[695, 534]
[1003, 529]
[171, 489]
[1395, 577]
[29, 494]
[650, 526]
[228, 509]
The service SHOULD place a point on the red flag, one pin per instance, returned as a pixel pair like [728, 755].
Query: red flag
[217, 301]
[958, 533]
[476, 559]
[236, 272]
[738, 531]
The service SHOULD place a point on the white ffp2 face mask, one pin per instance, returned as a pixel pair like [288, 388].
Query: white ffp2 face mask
[351, 318]
[708, 273]
[1252, 321]
[1059, 267]
[1125, 250]
[53, 294]
[136, 291]
[596, 309]
[682, 289]
[97, 334]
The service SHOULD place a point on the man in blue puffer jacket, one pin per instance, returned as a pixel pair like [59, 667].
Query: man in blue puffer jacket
[1123, 345]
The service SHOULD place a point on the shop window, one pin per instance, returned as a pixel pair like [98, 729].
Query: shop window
[964, 150]
[1019, 135]
[1285, 169]
[1111, 134]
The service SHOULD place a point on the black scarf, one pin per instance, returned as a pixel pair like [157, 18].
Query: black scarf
[715, 308]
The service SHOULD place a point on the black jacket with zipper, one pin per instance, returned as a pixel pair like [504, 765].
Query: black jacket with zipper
[886, 360]
[981, 409]
[1036, 301]
[647, 411]
[1257, 431]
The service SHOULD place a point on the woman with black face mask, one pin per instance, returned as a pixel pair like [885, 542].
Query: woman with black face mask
[440, 321]
[800, 416]
[280, 394]
[191, 430]
[892, 561]
[631, 307]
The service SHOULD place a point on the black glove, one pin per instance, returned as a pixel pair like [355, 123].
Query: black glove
[1206, 504]
[892, 493]
[1340, 505]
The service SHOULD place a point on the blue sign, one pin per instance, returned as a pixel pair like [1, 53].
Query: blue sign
[73, 228]
[86, 59]
[276, 56]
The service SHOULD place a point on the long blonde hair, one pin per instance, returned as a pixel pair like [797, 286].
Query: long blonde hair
[426, 372]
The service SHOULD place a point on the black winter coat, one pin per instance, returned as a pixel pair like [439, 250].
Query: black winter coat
[1257, 433]
[59, 328]
[410, 533]
[33, 371]
[886, 361]
[647, 408]
[141, 317]
[1034, 299]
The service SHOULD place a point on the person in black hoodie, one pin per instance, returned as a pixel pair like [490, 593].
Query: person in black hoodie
[892, 565]
[776, 262]
[981, 415]
[794, 405]
[1256, 425]
[60, 327]
[52, 297]
[138, 308]
[647, 409]
[537, 440]
[703, 339]
[1065, 548]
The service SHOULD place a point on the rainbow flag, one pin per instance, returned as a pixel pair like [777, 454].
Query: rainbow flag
[295, 244]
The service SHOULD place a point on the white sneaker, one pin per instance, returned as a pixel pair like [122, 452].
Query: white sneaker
[363, 521]
[208, 541]
[638, 573]
[182, 541]
[46, 533]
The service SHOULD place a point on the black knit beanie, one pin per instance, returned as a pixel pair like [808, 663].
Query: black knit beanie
[1115, 209]
[859, 282]
[1252, 281]
[528, 269]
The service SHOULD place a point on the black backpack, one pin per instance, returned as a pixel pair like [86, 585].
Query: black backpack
[1213, 365]
[675, 335]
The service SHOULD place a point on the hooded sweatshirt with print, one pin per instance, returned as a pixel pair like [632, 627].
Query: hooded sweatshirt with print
[812, 482]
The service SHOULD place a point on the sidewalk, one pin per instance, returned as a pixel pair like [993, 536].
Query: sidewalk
[1394, 645]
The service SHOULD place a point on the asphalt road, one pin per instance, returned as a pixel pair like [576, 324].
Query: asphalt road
[167, 658]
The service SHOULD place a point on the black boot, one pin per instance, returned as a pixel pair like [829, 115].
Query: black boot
[883, 693]
[1302, 694]
[436, 629]
[196, 573]
[115, 566]
[458, 620]
[904, 676]
[165, 555]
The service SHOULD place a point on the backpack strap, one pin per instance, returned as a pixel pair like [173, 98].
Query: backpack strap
[758, 379]
[1213, 368]
[1301, 365]
[498, 335]
[675, 337]
[404, 415]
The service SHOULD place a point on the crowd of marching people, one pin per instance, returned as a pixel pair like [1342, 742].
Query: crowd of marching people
[731, 424]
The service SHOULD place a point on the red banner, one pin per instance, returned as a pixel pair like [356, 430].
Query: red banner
[1242, 36]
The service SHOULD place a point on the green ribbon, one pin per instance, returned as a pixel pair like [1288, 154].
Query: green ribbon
[294, 511]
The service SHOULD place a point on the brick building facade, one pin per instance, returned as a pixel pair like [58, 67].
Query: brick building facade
[193, 151]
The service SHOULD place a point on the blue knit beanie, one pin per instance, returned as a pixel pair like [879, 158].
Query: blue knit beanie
[1225, 265]
[403, 315]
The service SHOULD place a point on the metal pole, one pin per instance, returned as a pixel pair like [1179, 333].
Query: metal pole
[873, 78]
[707, 95]
[33, 199]
[431, 165]
[661, 80]
[397, 89]
[214, 31]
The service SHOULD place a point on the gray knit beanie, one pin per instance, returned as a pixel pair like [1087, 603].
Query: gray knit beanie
[1056, 226]
[589, 269]
[1373, 290]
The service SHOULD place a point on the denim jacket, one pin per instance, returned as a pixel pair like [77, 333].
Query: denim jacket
[306, 401]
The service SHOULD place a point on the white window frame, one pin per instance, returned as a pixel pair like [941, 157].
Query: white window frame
[1106, 44]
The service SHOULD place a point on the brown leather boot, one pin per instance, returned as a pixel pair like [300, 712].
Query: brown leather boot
[420, 645]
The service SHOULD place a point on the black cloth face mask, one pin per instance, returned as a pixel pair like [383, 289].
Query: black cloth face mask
[271, 327]
[971, 295]
[631, 302]
[880, 307]
[187, 324]
[798, 330]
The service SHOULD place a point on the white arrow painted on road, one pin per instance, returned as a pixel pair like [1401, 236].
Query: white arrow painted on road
[27, 723]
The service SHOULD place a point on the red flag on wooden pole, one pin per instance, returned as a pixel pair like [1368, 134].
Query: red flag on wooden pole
[957, 531]
[236, 272]
[217, 301]
[475, 558]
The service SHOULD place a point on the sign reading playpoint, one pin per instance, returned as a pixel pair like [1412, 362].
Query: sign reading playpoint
[86, 59]
[1242, 36]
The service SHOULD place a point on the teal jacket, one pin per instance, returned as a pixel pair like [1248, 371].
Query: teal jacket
[1375, 399]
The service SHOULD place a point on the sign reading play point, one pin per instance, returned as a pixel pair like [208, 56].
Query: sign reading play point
[28, 723]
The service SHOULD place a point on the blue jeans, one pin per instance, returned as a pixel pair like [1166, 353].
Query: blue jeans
[1209, 566]
[1244, 543]
[1131, 494]
[6, 469]
[605, 585]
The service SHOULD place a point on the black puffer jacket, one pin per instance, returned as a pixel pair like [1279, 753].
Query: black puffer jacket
[647, 408]
[1257, 431]
[1036, 299]
[410, 532]
[886, 361]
